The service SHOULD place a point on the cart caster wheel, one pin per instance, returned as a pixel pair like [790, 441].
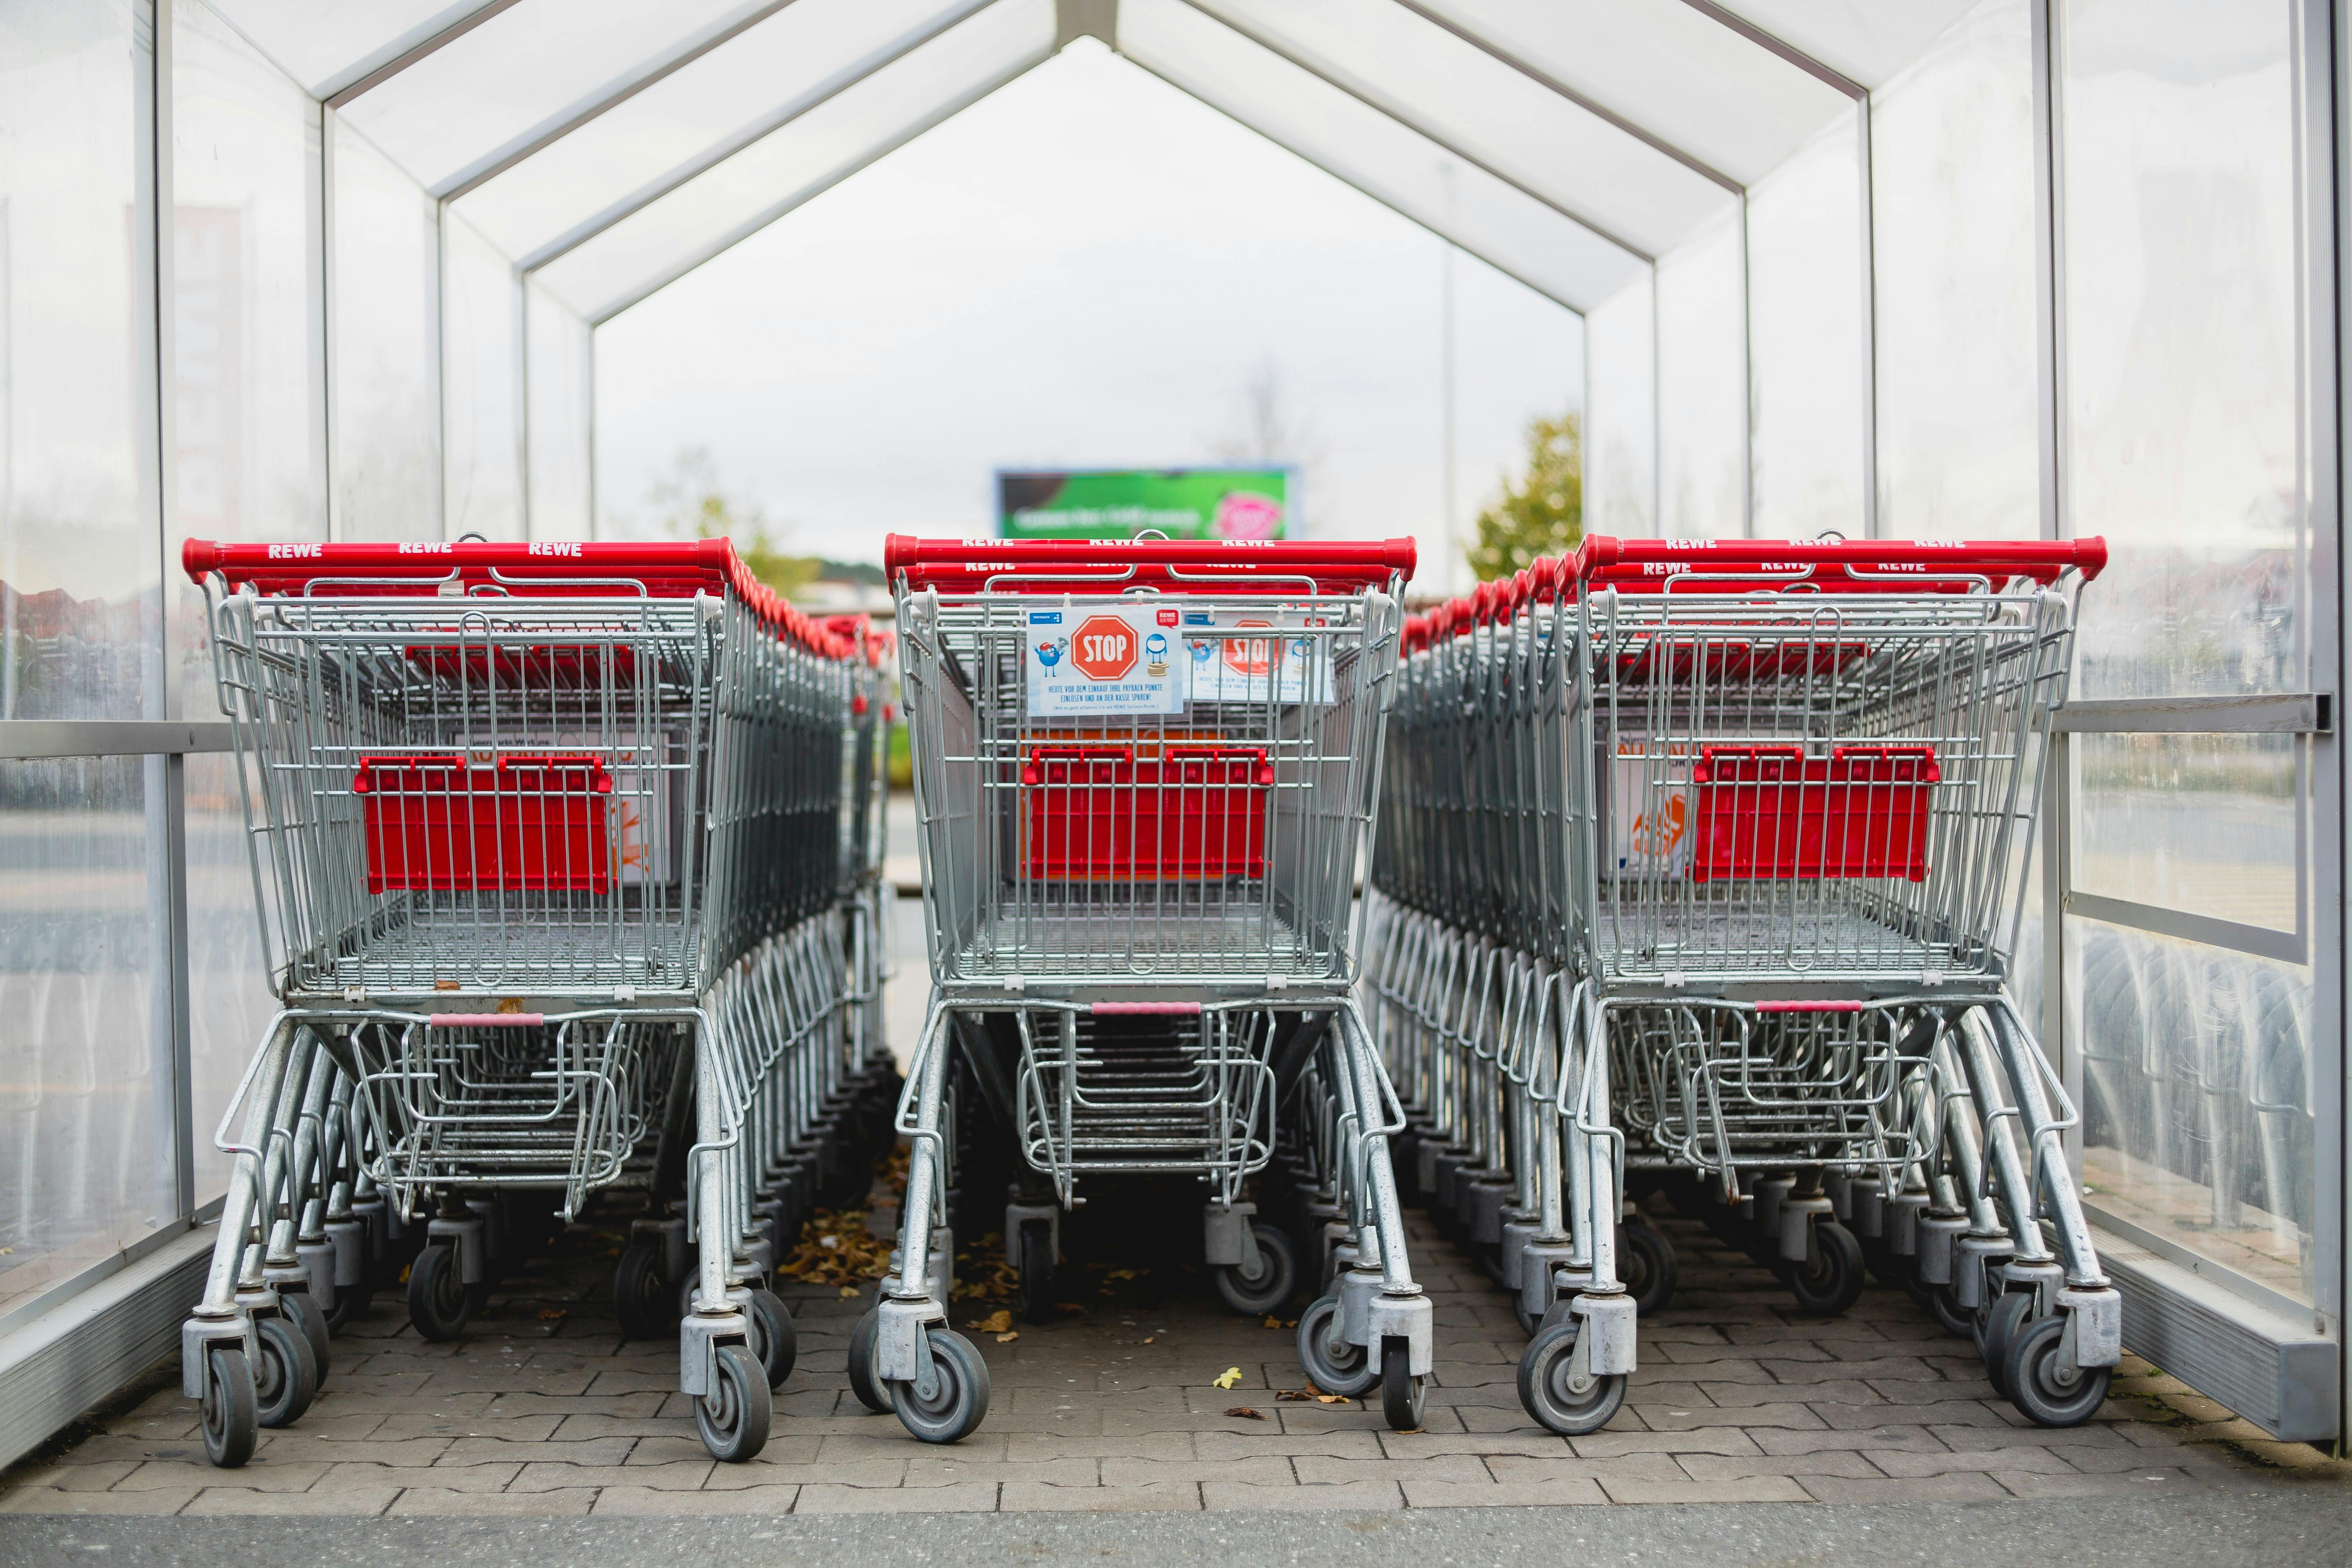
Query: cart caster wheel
[303, 1309]
[1997, 1329]
[232, 1410]
[2047, 1396]
[863, 1382]
[958, 1402]
[775, 1343]
[286, 1379]
[732, 1419]
[1645, 1265]
[1944, 1308]
[642, 1299]
[352, 1302]
[1345, 1369]
[1830, 1278]
[1549, 1390]
[439, 1303]
[1890, 1267]
[1402, 1394]
[1258, 1293]
[1035, 1260]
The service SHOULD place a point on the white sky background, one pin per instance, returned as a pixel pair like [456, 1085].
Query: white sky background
[1087, 268]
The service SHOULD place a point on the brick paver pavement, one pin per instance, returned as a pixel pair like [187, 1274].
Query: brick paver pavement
[543, 1410]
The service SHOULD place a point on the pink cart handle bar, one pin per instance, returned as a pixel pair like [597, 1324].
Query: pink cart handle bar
[1171, 566]
[485, 1020]
[1145, 1009]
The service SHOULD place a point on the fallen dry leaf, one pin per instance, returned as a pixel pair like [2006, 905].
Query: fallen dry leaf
[847, 1291]
[994, 1323]
[1069, 1307]
[1230, 1376]
[1008, 1337]
[1147, 1339]
[551, 1314]
[1244, 1410]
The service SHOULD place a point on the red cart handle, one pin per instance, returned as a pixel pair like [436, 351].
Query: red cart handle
[664, 569]
[1171, 566]
[1879, 564]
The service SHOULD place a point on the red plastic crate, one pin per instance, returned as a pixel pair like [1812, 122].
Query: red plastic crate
[522, 823]
[1098, 813]
[1771, 812]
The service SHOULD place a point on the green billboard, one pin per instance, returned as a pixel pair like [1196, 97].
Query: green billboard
[1120, 503]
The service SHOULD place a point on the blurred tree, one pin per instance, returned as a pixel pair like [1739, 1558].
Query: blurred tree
[1543, 512]
[692, 504]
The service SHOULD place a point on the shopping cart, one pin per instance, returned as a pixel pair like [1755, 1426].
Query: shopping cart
[548, 847]
[1786, 857]
[1145, 771]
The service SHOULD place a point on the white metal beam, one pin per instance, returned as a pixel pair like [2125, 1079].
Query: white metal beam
[711, 157]
[808, 192]
[612, 94]
[405, 52]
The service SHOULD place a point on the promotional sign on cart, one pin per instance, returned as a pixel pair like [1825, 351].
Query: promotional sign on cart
[1118, 661]
[1251, 656]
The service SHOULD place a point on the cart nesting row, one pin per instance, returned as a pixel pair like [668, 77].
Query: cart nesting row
[566, 859]
[1700, 867]
[1145, 772]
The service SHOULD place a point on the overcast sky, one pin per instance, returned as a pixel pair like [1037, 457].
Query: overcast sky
[1087, 268]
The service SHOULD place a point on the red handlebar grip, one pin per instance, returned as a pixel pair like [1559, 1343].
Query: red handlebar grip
[964, 565]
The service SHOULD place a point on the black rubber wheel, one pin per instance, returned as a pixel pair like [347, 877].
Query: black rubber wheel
[1549, 1394]
[958, 1402]
[863, 1382]
[287, 1379]
[352, 1302]
[232, 1410]
[1271, 1285]
[1645, 1265]
[1034, 1259]
[1891, 1268]
[2034, 1380]
[1346, 1370]
[1830, 1278]
[775, 1343]
[439, 1303]
[732, 1419]
[1944, 1308]
[1402, 1394]
[1997, 1329]
[303, 1309]
[1529, 1321]
[641, 1300]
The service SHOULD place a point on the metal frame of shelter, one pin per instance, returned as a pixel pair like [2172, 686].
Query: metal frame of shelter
[554, 162]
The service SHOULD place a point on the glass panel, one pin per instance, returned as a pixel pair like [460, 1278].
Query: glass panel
[1621, 446]
[469, 101]
[1509, 122]
[385, 354]
[780, 68]
[323, 44]
[249, 423]
[1514, 233]
[2198, 1124]
[79, 554]
[2202, 823]
[1866, 40]
[229, 999]
[1703, 386]
[2181, 364]
[85, 1118]
[562, 410]
[1667, 67]
[1952, 196]
[788, 166]
[482, 387]
[1807, 367]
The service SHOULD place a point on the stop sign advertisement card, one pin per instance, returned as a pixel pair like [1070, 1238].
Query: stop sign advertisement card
[1250, 656]
[1113, 660]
